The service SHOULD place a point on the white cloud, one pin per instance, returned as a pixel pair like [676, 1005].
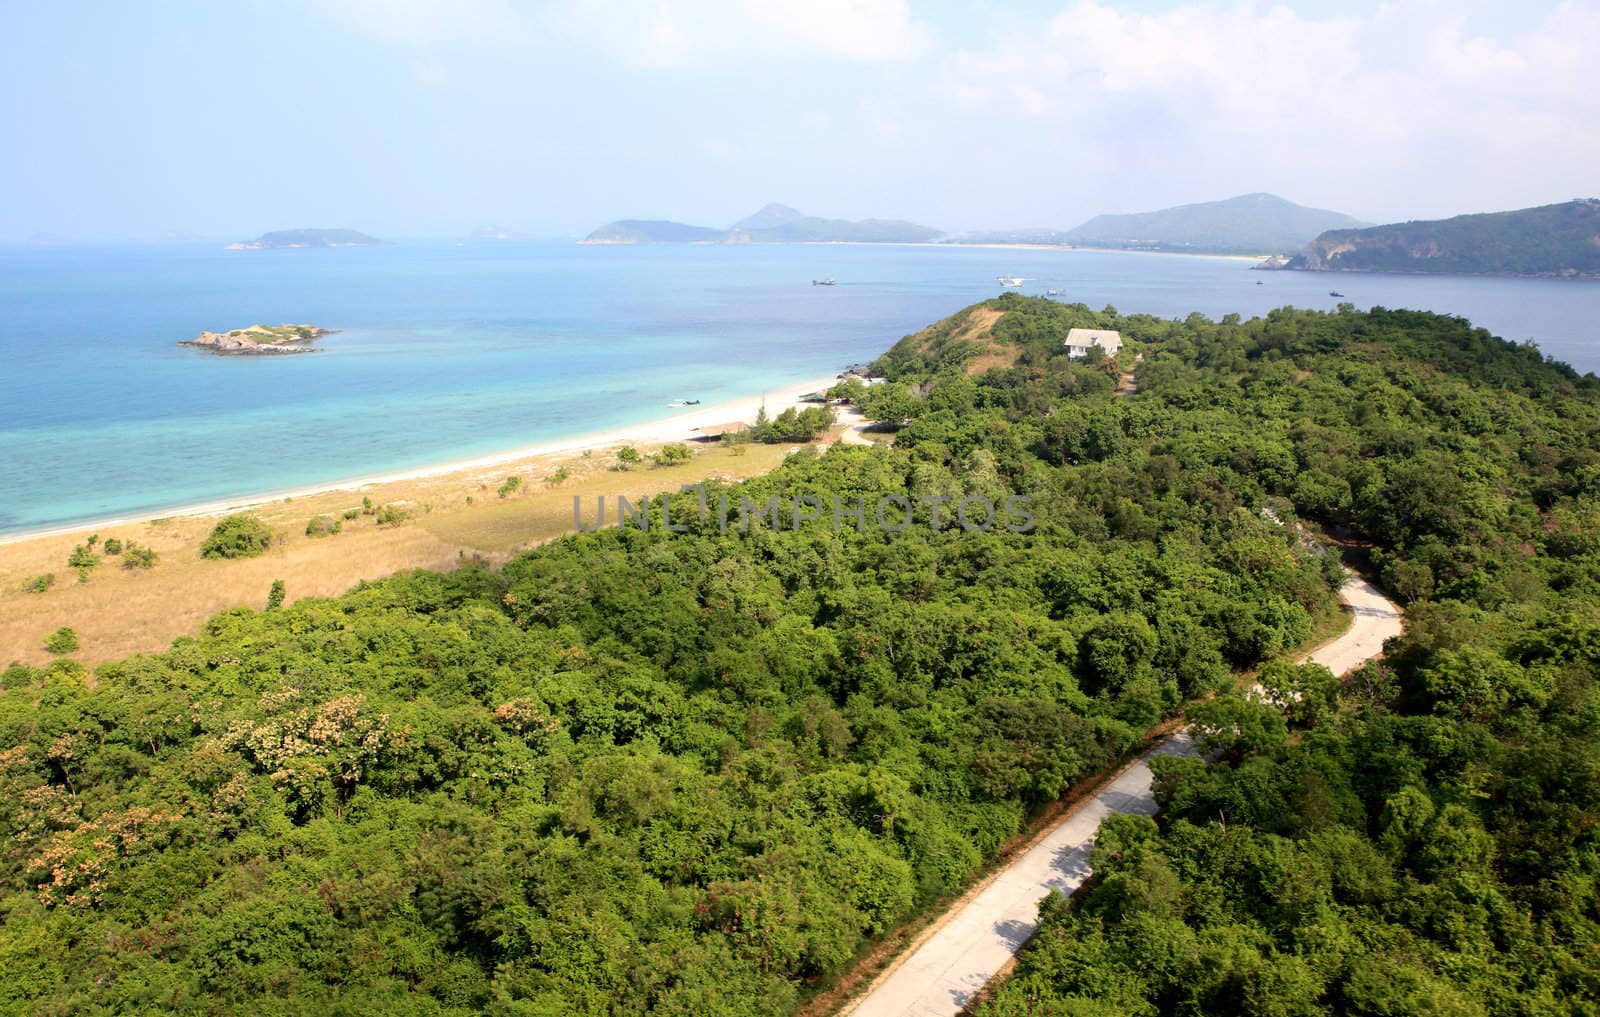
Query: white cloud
[652, 33]
[679, 33]
[1409, 105]
[428, 22]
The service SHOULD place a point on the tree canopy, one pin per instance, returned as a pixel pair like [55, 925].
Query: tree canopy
[696, 772]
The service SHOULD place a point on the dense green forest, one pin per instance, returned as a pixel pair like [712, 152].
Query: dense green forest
[1428, 847]
[1551, 240]
[696, 772]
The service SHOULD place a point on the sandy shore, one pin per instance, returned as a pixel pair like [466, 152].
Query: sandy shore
[447, 513]
[663, 430]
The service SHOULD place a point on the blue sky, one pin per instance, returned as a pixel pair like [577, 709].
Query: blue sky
[410, 117]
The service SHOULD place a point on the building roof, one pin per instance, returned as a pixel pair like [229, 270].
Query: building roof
[1104, 337]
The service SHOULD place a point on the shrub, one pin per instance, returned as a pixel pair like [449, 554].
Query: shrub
[627, 457]
[392, 515]
[510, 487]
[112, 546]
[237, 537]
[555, 479]
[39, 584]
[350, 514]
[82, 558]
[139, 557]
[62, 640]
[323, 526]
[275, 595]
[672, 454]
[367, 508]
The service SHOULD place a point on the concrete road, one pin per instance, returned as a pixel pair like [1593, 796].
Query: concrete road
[947, 966]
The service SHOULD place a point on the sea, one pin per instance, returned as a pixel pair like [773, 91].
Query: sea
[446, 351]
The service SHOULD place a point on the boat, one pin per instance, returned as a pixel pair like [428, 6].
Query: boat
[824, 282]
[1335, 293]
[1055, 293]
[1009, 280]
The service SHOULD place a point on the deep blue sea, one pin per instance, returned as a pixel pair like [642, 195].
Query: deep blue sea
[447, 351]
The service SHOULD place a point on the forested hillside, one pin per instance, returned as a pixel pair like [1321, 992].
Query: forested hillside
[1551, 240]
[1423, 842]
[696, 772]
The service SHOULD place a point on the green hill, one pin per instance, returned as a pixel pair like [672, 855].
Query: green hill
[651, 231]
[1550, 240]
[1248, 224]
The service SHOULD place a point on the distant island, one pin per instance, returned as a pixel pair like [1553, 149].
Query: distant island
[1560, 240]
[1248, 224]
[260, 339]
[773, 224]
[307, 238]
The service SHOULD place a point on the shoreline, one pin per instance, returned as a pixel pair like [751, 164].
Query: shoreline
[655, 431]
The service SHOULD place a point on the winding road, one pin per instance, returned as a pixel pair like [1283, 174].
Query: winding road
[947, 966]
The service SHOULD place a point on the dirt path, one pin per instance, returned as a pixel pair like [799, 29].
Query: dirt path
[977, 940]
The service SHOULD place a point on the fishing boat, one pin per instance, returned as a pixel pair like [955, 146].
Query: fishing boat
[1009, 280]
[1335, 293]
[823, 282]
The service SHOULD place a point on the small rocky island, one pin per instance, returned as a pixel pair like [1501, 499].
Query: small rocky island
[260, 339]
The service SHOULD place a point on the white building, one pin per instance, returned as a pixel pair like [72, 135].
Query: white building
[1081, 340]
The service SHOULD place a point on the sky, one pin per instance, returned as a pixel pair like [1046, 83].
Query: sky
[171, 118]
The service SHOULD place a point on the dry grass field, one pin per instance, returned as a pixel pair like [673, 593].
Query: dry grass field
[118, 611]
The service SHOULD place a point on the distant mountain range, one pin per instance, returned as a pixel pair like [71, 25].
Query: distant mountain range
[1550, 240]
[773, 224]
[307, 238]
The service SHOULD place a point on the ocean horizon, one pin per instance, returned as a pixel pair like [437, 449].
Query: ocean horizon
[446, 352]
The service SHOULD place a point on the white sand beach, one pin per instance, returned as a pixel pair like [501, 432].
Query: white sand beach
[677, 426]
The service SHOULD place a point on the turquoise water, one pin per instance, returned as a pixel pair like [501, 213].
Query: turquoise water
[446, 352]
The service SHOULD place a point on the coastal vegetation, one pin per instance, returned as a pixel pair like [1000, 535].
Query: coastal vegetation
[323, 526]
[792, 425]
[137, 557]
[697, 772]
[237, 536]
[62, 640]
[671, 454]
[1551, 240]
